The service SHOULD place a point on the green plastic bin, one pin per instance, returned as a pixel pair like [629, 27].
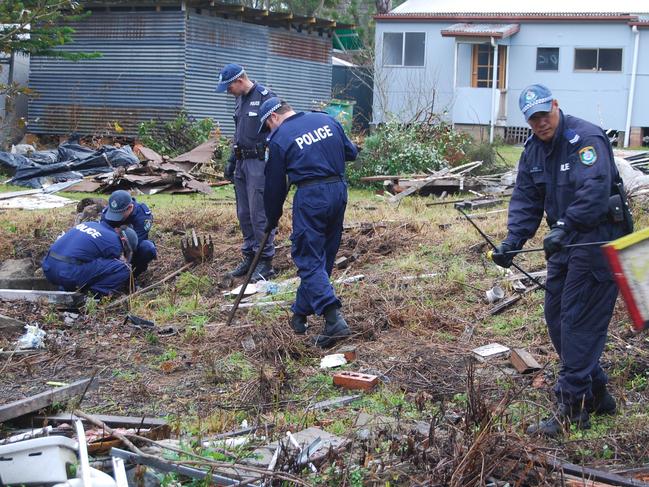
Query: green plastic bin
[343, 111]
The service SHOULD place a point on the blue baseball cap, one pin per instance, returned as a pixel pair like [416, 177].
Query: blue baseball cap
[117, 204]
[266, 108]
[228, 74]
[535, 98]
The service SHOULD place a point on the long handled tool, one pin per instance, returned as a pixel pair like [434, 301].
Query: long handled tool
[246, 281]
[493, 246]
[539, 249]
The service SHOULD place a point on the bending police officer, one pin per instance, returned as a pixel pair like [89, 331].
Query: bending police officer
[246, 168]
[91, 256]
[567, 170]
[310, 150]
[122, 210]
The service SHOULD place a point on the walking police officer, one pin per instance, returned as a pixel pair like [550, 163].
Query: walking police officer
[89, 257]
[568, 170]
[310, 149]
[122, 210]
[246, 168]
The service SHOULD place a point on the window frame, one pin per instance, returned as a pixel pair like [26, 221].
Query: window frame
[536, 62]
[597, 68]
[502, 65]
[403, 50]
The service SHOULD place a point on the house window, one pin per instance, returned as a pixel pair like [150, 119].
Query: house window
[404, 48]
[547, 59]
[482, 69]
[598, 59]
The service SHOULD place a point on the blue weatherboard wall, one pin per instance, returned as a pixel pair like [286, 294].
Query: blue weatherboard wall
[600, 97]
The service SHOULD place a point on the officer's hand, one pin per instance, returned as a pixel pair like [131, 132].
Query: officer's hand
[553, 241]
[501, 257]
[230, 166]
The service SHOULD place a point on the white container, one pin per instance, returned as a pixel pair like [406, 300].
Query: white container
[37, 461]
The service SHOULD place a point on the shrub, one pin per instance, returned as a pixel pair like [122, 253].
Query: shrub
[177, 136]
[396, 148]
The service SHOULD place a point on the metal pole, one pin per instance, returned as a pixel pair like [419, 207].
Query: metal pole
[246, 281]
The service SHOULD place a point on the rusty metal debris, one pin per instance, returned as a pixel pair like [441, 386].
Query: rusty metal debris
[196, 249]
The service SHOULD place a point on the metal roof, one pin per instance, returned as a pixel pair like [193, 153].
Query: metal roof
[551, 8]
[501, 31]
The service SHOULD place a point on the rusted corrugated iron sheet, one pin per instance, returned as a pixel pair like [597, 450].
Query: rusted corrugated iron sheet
[300, 46]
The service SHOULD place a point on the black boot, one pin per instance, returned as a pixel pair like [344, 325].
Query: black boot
[602, 403]
[264, 270]
[298, 323]
[556, 424]
[335, 328]
[243, 267]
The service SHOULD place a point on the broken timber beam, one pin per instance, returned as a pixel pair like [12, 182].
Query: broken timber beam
[589, 473]
[59, 298]
[44, 399]
[134, 422]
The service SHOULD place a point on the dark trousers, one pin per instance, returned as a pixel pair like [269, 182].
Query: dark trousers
[318, 214]
[103, 276]
[578, 308]
[146, 251]
[249, 182]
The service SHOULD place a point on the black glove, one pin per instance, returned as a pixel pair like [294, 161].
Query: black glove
[501, 257]
[230, 166]
[553, 241]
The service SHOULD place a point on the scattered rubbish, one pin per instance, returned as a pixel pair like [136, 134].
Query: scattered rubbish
[34, 433]
[355, 380]
[167, 331]
[333, 403]
[523, 361]
[250, 290]
[490, 351]
[41, 201]
[419, 277]
[332, 361]
[350, 279]
[494, 294]
[37, 461]
[70, 161]
[69, 317]
[306, 452]
[32, 339]
[475, 204]
[66, 299]
[137, 322]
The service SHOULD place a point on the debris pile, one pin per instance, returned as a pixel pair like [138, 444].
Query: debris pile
[70, 161]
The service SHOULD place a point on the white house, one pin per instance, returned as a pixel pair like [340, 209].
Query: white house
[439, 56]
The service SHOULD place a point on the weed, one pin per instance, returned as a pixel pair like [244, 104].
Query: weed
[169, 354]
[151, 338]
[189, 284]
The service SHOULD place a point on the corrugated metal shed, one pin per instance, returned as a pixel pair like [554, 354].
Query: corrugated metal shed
[155, 63]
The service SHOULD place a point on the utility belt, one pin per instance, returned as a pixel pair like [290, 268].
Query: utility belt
[257, 152]
[64, 258]
[311, 182]
[619, 211]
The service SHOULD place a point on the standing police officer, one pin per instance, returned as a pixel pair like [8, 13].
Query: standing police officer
[89, 257]
[568, 170]
[122, 209]
[310, 149]
[246, 168]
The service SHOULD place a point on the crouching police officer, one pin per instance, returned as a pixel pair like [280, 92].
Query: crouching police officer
[122, 210]
[568, 170]
[246, 169]
[310, 149]
[91, 256]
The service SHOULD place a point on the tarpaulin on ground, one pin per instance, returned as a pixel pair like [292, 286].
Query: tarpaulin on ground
[69, 162]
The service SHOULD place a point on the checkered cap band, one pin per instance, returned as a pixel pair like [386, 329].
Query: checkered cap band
[536, 102]
[267, 114]
[230, 80]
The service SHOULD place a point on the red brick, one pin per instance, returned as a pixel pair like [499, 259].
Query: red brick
[355, 380]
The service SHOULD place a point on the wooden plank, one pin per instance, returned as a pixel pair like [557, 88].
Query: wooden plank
[523, 361]
[44, 399]
[110, 420]
[60, 298]
[573, 481]
[589, 473]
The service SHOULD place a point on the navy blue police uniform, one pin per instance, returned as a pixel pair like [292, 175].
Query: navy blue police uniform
[572, 178]
[87, 257]
[309, 150]
[249, 173]
[141, 220]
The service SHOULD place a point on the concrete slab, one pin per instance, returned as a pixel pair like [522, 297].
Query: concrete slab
[10, 325]
[16, 268]
[38, 283]
[60, 298]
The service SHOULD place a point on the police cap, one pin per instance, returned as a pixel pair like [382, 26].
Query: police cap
[535, 98]
[118, 203]
[268, 107]
[228, 74]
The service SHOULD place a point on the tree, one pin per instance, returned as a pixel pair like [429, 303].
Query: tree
[39, 27]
